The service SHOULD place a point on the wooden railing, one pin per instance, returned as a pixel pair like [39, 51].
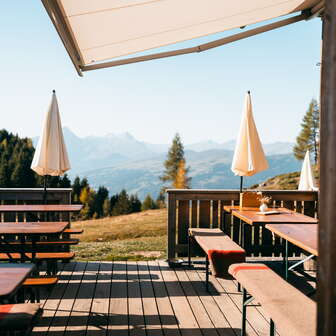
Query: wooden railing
[33, 196]
[204, 208]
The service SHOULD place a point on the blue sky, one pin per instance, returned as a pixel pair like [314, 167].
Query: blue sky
[200, 95]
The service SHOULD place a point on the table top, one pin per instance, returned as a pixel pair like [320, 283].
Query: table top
[285, 216]
[40, 207]
[302, 235]
[12, 276]
[26, 228]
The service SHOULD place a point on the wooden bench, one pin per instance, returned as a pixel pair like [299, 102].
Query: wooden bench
[33, 285]
[18, 317]
[220, 250]
[38, 256]
[292, 312]
[50, 257]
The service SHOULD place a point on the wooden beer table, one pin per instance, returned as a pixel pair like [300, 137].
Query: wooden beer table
[301, 235]
[11, 278]
[32, 230]
[251, 217]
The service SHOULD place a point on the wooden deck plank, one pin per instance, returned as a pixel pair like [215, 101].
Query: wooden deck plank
[99, 314]
[61, 317]
[144, 298]
[135, 311]
[79, 316]
[118, 310]
[255, 319]
[52, 301]
[224, 315]
[186, 320]
[167, 317]
[201, 315]
[150, 309]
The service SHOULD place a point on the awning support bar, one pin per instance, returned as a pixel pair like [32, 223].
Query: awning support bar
[202, 47]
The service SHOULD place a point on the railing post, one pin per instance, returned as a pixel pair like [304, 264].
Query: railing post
[171, 226]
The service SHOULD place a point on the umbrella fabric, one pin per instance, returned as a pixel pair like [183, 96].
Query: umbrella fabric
[51, 157]
[307, 180]
[249, 157]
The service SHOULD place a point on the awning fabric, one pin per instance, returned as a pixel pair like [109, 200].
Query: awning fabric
[106, 29]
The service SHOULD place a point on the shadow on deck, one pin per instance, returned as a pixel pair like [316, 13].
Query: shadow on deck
[146, 298]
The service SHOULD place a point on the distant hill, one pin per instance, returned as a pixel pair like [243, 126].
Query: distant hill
[94, 152]
[120, 161]
[209, 169]
[288, 181]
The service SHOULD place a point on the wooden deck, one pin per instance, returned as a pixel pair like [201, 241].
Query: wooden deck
[145, 299]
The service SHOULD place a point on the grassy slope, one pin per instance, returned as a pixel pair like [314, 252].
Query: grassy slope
[139, 236]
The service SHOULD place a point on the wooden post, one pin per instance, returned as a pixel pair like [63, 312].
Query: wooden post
[326, 293]
[171, 226]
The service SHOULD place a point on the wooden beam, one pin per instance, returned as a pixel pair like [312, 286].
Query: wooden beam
[326, 293]
[57, 19]
[202, 47]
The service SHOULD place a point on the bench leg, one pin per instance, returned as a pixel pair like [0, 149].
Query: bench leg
[247, 299]
[207, 273]
[189, 250]
[244, 307]
[272, 328]
[238, 287]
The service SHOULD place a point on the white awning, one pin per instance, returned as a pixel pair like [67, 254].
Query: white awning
[95, 31]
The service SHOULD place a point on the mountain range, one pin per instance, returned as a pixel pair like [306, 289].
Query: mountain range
[120, 161]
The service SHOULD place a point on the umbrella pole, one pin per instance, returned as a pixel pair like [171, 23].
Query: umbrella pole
[241, 184]
[45, 189]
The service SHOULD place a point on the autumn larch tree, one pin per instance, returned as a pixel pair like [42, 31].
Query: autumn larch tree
[175, 161]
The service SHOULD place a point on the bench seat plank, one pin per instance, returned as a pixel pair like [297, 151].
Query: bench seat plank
[40, 281]
[17, 316]
[39, 256]
[219, 247]
[293, 313]
[73, 231]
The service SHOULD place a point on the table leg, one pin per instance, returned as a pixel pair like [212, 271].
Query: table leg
[285, 257]
[242, 233]
[22, 247]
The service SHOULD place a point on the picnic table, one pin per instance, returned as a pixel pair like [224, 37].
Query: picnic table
[11, 278]
[301, 235]
[285, 216]
[252, 217]
[32, 230]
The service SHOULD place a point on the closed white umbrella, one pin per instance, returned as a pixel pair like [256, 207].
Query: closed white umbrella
[307, 180]
[249, 157]
[51, 157]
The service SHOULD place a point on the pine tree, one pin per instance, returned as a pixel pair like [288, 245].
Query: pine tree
[122, 206]
[135, 203]
[76, 189]
[175, 156]
[160, 200]
[4, 175]
[308, 138]
[106, 208]
[113, 202]
[148, 203]
[100, 196]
